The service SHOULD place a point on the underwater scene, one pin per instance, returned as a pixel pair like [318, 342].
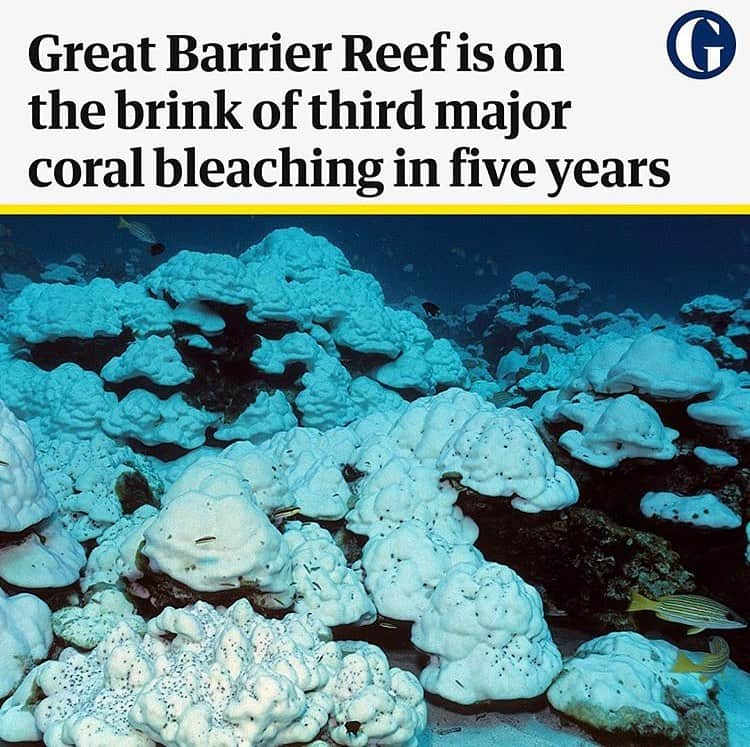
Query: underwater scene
[374, 480]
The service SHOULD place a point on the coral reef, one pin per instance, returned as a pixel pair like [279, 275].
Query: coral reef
[232, 466]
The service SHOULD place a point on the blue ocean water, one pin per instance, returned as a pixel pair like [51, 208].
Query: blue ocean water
[650, 263]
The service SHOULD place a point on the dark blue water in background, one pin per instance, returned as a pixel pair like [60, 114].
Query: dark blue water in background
[651, 263]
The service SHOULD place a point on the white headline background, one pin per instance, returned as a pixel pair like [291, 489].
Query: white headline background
[628, 99]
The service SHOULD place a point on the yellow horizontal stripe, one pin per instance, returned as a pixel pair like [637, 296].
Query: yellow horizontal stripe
[697, 608]
[371, 209]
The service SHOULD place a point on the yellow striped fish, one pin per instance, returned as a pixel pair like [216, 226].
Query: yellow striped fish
[698, 613]
[141, 231]
[710, 664]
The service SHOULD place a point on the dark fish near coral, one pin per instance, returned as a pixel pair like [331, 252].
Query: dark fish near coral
[143, 233]
[658, 327]
[4, 464]
[523, 372]
[540, 362]
[500, 399]
[698, 613]
[453, 479]
[710, 664]
[431, 308]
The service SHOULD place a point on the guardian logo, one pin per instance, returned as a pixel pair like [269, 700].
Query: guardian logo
[701, 44]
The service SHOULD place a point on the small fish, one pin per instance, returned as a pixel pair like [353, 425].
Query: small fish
[710, 664]
[539, 361]
[286, 512]
[479, 272]
[523, 372]
[387, 625]
[5, 232]
[4, 464]
[459, 252]
[203, 540]
[500, 399]
[408, 267]
[431, 308]
[453, 479]
[143, 233]
[698, 613]
[658, 327]
[353, 727]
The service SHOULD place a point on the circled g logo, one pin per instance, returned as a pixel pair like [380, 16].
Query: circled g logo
[701, 44]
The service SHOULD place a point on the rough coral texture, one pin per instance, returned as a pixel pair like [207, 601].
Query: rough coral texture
[404, 566]
[218, 541]
[24, 498]
[485, 632]
[324, 585]
[25, 637]
[205, 676]
[623, 683]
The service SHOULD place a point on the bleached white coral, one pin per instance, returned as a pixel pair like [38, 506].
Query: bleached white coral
[403, 567]
[404, 490]
[622, 682]
[47, 557]
[269, 414]
[25, 637]
[730, 407]
[85, 627]
[323, 583]
[657, 365]
[24, 498]
[704, 510]
[154, 357]
[48, 312]
[500, 454]
[485, 631]
[114, 557]
[211, 540]
[311, 463]
[206, 676]
[82, 474]
[615, 429]
[143, 416]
